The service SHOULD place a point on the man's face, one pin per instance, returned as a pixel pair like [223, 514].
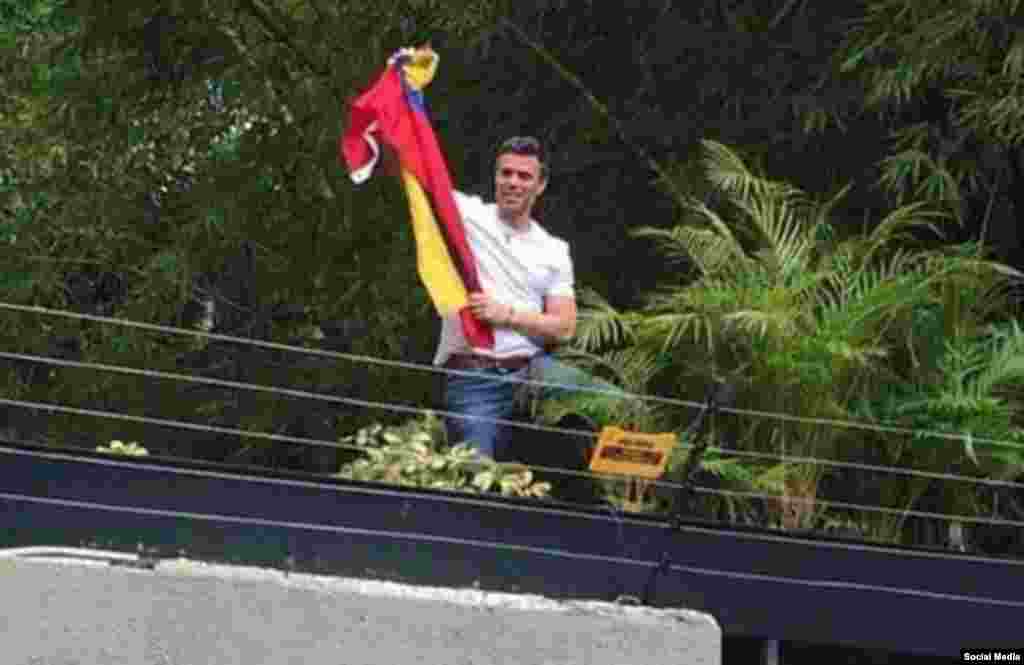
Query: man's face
[517, 184]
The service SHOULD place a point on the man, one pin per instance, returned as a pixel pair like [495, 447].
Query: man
[528, 297]
[521, 279]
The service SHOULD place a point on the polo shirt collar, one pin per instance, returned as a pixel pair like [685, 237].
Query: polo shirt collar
[510, 230]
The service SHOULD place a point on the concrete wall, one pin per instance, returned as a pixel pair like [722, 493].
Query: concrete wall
[73, 610]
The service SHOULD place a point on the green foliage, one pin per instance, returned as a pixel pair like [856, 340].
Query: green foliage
[414, 454]
[973, 393]
[97, 122]
[631, 370]
[24, 16]
[946, 80]
[116, 447]
[763, 284]
[806, 323]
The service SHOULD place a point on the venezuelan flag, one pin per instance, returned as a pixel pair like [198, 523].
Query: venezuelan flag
[393, 110]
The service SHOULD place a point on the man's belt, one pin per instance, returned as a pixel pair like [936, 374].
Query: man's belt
[468, 361]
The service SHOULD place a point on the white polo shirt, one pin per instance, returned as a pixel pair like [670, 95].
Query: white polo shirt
[517, 268]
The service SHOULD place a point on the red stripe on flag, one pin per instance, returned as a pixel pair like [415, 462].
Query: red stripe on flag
[403, 125]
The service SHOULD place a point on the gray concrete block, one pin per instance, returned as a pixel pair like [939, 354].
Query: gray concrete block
[71, 612]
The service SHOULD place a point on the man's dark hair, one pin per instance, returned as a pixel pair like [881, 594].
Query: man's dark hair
[525, 145]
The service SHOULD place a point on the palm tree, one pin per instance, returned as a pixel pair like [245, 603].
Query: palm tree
[803, 322]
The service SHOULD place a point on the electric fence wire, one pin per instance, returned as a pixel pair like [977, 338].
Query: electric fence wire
[420, 410]
[654, 483]
[386, 406]
[619, 518]
[531, 549]
[609, 513]
[366, 359]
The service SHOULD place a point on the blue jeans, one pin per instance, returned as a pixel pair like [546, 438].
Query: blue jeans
[483, 394]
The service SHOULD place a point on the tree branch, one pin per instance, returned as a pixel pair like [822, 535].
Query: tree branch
[283, 37]
[600, 108]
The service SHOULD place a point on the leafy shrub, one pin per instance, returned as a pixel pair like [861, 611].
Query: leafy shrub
[416, 454]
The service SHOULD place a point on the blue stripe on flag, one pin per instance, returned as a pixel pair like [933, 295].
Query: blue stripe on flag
[415, 97]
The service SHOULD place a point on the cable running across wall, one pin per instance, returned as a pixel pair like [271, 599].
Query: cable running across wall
[500, 421]
[59, 408]
[993, 521]
[619, 517]
[409, 409]
[225, 383]
[845, 424]
[548, 551]
[967, 519]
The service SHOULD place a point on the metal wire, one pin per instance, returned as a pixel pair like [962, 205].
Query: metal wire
[483, 544]
[845, 424]
[509, 423]
[656, 483]
[59, 408]
[994, 521]
[860, 466]
[313, 526]
[883, 429]
[224, 383]
[181, 424]
[335, 354]
[614, 514]
[838, 584]
[376, 489]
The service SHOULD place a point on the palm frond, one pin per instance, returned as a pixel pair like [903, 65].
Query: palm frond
[715, 221]
[806, 285]
[777, 215]
[902, 172]
[977, 267]
[599, 325]
[982, 286]
[633, 367]
[897, 226]
[849, 279]
[859, 308]
[822, 212]
[708, 248]
[675, 330]
[708, 294]
[791, 239]
[760, 323]
[1006, 365]
[726, 171]
[705, 239]
[630, 369]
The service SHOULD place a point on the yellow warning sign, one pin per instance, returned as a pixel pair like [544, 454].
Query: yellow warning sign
[632, 453]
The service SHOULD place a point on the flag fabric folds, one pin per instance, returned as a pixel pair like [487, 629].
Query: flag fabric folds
[392, 110]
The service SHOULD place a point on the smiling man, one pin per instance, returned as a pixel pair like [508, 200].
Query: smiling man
[527, 279]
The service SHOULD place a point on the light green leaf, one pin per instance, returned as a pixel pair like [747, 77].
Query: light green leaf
[969, 449]
[483, 480]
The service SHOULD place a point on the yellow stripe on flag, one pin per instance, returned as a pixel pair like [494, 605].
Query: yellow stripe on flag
[421, 68]
[434, 263]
